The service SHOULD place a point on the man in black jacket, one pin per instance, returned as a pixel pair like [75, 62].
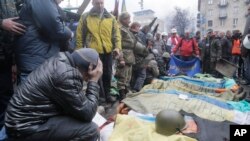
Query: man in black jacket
[51, 106]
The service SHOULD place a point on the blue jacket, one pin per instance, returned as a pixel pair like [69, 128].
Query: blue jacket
[44, 35]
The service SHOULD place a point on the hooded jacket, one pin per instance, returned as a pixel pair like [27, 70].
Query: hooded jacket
[53, 89]
[44, 34]
[101, 34]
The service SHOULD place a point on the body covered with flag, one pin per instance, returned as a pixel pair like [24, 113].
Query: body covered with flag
[189, 68]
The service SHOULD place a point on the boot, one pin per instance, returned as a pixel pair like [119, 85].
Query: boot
[110, 99]
[122, 94]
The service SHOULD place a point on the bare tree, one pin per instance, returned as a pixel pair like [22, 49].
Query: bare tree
[181, 20]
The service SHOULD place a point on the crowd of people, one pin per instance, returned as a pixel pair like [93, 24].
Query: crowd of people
[49, 103]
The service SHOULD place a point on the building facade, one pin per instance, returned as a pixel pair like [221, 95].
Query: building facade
[222, 15]
[144, 17]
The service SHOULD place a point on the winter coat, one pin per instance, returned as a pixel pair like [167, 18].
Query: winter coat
[215, 48]
[44, 36]
[226, 47]
[187, 47]
[53, 89]
[172, 42]
[101, 34]
[159, 45]
[128, 45]
[143, 37]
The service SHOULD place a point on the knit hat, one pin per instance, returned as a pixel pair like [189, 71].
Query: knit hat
[84, 57]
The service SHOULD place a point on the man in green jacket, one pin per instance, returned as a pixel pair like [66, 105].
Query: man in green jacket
[124, 70]
[99, 30]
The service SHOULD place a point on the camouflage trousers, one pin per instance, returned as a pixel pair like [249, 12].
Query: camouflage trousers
[123, 75]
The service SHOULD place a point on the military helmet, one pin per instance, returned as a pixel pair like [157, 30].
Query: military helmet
[173, 30]
[149, 36]
[169, 122]
[165, 55]
[209, 30]
[155, 51]
[246, 41]
[164, 34]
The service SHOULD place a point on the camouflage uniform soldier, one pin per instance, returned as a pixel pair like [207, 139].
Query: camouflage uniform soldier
[124, 70]
[215, 53]
[141, 52]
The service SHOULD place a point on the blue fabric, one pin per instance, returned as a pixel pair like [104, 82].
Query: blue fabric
[216, 102]
[195, 81]
[189, 68]
[229, 83]
[3, 135]
[242, 106]
[223, 84]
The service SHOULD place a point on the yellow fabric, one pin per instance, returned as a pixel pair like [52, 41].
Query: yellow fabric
[99, 33]
[128, 128]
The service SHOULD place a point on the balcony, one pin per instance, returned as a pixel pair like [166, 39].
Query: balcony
[223, 15]
[223, 4]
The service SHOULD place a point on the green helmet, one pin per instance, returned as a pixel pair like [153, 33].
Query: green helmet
[169, 122]
[166, 55]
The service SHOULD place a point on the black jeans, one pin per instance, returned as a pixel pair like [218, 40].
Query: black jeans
[6, 89]
[107, 74]
[63, 129]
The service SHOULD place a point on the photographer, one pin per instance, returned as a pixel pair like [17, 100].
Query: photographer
[53, 101]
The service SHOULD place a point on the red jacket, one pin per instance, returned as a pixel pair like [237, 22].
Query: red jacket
[187, 47]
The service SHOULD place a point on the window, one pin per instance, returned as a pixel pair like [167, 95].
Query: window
[210, 23]
[222, 22]
[236, 10]
[210, 1]
[235, 22]
[210, 12]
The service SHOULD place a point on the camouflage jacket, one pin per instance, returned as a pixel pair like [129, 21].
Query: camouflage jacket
[128, 45]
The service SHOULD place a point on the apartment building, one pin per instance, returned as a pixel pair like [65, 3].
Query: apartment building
[222, 15]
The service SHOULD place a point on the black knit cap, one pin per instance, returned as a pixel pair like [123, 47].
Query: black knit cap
[84, 57]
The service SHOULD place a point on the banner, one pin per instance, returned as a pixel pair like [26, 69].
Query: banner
[180, 67]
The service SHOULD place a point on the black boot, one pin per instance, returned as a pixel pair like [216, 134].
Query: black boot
[110, 99]
[122, 94]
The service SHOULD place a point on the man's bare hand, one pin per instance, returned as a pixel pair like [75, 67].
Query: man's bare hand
[116, 52]
[12, 26]
[94, 75]
[122, 109]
